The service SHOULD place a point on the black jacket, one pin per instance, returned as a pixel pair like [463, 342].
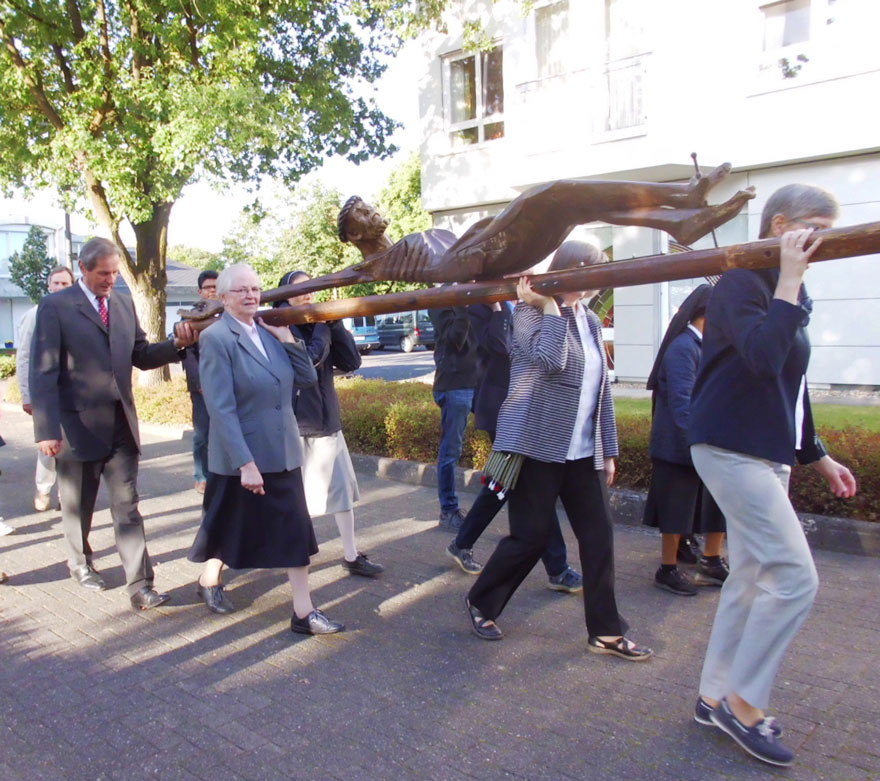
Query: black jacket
[755, 353]
[329, 345]
[191, 368]
[493, 332]
[455, 349]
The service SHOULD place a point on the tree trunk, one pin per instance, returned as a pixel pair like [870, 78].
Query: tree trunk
[146, 278]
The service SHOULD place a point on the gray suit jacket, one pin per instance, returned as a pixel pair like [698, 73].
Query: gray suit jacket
[78, 372]
[250, 399]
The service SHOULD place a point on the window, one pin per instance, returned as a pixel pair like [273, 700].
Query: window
[626, 23]
[786, 23]
[551, 39]
[11, 241]
[475, 97]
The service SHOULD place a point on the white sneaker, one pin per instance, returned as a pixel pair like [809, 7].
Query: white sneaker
[5, 528]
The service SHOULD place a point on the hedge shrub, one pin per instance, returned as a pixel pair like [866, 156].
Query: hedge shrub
[401, 420]
[7, 366]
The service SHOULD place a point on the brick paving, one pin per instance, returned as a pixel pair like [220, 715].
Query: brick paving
[91, 690]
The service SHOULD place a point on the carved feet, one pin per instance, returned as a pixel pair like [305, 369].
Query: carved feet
[696, 223]
[700, 185]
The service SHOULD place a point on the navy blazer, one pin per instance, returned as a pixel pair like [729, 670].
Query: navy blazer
[546, 371]
[250, 399]
[672, 399]
[493, 333]
[755, 353]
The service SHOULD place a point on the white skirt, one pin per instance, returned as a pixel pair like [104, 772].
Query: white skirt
[328, 475]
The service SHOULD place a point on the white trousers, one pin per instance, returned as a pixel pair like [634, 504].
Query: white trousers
[46, 475]
[772, 581]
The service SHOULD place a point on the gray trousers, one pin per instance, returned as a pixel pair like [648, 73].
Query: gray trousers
[45, 475]
[772, 581]
[78, 483]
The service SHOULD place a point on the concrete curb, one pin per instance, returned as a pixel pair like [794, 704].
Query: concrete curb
[840, 535]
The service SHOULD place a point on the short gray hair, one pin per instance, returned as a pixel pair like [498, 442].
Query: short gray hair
[797, 202]
[228, 275]
[95, 249]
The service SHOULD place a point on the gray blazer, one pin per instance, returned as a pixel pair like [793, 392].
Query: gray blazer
[250, 399]
[546, 370]
[79, 371]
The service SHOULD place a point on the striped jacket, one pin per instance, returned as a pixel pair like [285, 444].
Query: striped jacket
[547, 366]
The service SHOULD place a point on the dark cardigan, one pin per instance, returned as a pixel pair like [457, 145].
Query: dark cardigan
[672, 399]
[329, 345]
[755, 353]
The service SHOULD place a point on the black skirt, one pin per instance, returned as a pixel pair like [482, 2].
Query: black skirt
[679, 503]
[247, 531]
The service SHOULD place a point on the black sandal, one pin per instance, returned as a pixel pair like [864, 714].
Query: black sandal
[625, 649]
[483, 627]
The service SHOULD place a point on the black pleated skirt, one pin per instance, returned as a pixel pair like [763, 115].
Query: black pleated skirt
[247, 531]
[679, 503]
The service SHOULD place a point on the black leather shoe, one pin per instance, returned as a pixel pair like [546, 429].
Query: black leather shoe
[363, 566]
[148, 598]
[215, 598]
[315, 623]
[87, 577]
[483, 627]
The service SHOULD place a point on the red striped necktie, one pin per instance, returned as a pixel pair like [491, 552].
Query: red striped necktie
[102, 310]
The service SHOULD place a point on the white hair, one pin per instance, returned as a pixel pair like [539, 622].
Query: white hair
[228, 275]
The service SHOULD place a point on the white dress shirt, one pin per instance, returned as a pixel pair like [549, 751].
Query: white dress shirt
[582, 437]
[254, 334]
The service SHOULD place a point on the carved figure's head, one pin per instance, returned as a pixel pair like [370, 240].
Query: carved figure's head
[358, 221]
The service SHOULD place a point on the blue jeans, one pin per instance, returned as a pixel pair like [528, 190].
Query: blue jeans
[200, 437]
[455, 406]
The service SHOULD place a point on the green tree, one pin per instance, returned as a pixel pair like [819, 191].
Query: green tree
[126, 102]
[29, 269]
[401, 200]
[195, 257]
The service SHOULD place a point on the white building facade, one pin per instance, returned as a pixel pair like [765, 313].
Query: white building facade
[627, 89]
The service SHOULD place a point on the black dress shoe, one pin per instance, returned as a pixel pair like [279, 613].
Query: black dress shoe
[215, 598]
[483, 627]
[315, 623]
[148, 598]
[363, 566]
[87, 577]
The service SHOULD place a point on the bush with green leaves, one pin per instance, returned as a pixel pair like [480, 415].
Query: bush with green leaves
[401, 420]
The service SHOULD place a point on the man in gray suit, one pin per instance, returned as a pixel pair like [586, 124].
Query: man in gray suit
[84, 413]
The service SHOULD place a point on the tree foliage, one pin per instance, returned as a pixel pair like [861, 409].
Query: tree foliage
[125, 102]
[401, 200]
[29, 269]
[196, 257]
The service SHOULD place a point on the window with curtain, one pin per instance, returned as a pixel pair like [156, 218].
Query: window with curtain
[475, 96]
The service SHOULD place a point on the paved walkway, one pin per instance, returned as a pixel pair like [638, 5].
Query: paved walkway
[91, 690]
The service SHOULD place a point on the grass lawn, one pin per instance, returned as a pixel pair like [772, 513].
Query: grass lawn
[828, 416]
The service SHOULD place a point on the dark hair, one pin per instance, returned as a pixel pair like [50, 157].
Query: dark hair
[58, 270]
[797, 201]
[208, 273]
[343, 216]
[576, 254]
[95, 249]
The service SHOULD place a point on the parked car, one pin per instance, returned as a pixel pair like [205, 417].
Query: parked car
[405, 330]
[363, 329]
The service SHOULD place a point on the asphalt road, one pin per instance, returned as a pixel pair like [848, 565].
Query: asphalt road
[396, 365]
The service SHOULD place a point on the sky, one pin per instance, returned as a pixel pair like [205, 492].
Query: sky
[203, 216]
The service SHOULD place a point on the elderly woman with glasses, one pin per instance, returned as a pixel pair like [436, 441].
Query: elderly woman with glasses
[254, 513]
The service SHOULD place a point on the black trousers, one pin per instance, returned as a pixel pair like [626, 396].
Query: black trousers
[78, 483]
[531, 509]
[483, 511]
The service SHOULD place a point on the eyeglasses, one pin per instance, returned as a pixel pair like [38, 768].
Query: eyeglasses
[813, 225]
[242, 291]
